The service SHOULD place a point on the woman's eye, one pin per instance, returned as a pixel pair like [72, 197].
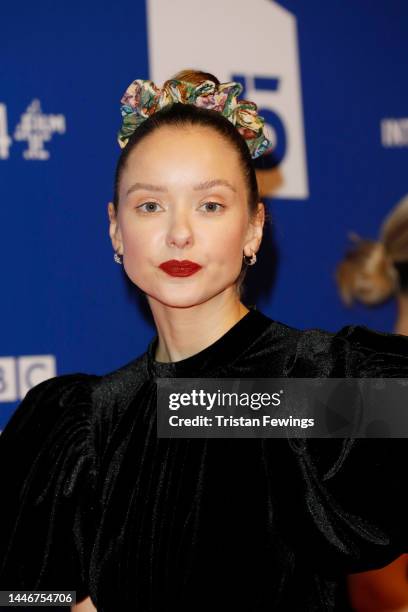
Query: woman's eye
[149, 206]
[213, 205]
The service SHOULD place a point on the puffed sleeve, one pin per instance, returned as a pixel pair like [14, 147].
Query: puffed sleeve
[373, 354]
[351, 508]
[47, 484]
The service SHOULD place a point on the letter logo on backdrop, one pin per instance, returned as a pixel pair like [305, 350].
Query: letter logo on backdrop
[34, 127]
[254, 44]
[19, 374]
[5, 140]
[394, 132]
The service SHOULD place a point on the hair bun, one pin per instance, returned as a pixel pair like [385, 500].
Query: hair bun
[366, 273]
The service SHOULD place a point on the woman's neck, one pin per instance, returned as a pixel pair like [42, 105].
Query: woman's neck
[183, 332]
[401, 324]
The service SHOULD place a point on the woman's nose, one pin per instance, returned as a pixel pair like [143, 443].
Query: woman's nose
[180, 231]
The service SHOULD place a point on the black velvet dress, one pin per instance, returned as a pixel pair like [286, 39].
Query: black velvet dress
[93, 501]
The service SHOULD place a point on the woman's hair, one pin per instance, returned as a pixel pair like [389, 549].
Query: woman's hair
[373, 271]
[187, 115]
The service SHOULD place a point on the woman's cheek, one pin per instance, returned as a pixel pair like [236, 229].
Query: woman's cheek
[135, 243]
[231, 244]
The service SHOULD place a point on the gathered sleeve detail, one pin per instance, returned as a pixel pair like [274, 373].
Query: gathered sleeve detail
[372, 354]
[353, 494]
[48, 485]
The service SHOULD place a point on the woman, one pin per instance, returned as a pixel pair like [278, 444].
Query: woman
[136, 522]
[371, 273]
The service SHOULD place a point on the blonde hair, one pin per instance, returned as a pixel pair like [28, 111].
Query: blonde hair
[368, 272]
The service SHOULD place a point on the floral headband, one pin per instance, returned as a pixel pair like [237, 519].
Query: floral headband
[143, 98]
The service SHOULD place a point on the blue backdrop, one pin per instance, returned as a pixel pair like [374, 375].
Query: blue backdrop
[66, 306]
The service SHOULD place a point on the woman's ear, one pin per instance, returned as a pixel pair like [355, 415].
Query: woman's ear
[114, 230]
[255, 231]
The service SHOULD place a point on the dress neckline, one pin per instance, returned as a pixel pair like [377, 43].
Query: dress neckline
[231, 344]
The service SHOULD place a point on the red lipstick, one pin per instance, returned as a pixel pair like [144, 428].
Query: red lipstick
[174, 267]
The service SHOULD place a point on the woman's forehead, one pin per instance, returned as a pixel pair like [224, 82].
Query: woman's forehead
[185, 139]
[191, 158]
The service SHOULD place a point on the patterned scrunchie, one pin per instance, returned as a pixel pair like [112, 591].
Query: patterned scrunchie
[143, 98]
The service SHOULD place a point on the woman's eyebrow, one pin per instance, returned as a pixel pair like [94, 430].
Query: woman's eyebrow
[200, 186]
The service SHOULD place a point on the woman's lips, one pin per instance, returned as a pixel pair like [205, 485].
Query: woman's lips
[180, 268]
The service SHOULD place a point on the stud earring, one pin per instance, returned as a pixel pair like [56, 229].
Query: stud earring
[117, 258]
[250, 260]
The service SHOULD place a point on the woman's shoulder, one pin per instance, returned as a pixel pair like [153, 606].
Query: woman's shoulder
[54, 419]
[373, 353]
[352, 351]
[88, 388]
[50, 400]
[117, 386]
[82, 405]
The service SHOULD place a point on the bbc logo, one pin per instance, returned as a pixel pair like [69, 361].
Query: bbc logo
[19, 374]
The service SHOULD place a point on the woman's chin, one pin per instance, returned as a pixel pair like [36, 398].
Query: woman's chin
[180, 297]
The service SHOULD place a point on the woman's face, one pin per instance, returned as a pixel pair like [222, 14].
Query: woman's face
[173, 206]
